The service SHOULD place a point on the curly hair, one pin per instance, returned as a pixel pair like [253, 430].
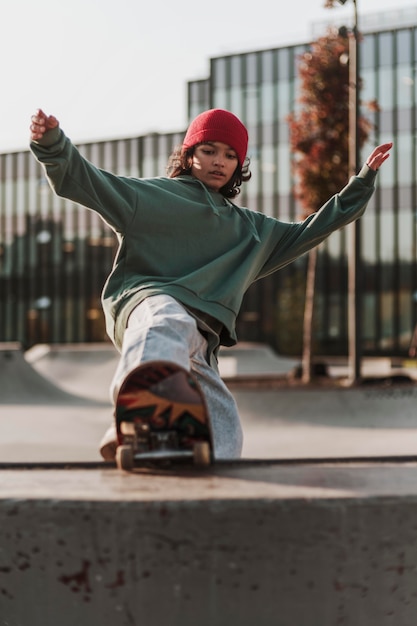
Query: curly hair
[180, 162]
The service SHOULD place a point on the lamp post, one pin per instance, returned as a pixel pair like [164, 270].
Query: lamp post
[354, 230]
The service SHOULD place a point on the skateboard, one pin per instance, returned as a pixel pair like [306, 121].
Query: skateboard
[161, 418]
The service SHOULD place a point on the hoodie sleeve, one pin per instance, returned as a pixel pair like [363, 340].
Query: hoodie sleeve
[295, 239]
[73, 177]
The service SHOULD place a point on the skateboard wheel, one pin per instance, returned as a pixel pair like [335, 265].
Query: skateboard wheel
[124, 458]
[202, 454]
[127, 428]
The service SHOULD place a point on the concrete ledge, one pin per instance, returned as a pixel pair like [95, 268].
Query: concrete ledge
[244, 543]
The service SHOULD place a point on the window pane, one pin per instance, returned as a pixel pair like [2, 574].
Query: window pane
[252, 69]
[403, 44]
[385, 49]
[386, 88]
[405, 86]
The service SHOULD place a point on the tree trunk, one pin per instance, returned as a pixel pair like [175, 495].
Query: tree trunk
[307, 358]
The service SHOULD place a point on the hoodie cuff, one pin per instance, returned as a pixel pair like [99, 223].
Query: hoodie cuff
[50, 138]
[368, 175]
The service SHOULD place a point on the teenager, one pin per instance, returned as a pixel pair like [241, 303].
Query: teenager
[187, 255]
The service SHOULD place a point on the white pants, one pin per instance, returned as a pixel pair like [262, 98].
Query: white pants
[159, 328]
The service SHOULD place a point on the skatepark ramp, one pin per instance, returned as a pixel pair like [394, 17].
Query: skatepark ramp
[21, 384]
[87, 369]
[81, 369]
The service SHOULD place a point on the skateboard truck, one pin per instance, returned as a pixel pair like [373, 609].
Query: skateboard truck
[142, 446]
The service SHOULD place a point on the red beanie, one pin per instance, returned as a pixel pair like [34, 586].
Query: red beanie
[218, 125]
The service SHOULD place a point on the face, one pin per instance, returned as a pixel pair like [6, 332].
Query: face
[214, 163]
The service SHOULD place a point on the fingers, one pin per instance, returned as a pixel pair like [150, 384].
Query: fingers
[378, 156]
[41, 123]
[38, 125]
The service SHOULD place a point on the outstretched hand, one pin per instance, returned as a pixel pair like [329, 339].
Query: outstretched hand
[41, 123]
[378, 156]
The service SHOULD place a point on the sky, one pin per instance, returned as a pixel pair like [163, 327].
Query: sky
[119, 68]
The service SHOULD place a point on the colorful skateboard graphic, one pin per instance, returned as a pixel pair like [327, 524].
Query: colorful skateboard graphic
[161, 417]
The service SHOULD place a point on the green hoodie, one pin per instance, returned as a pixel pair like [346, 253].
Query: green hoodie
[178, 238]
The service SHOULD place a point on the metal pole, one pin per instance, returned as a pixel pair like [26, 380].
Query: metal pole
[354, 258]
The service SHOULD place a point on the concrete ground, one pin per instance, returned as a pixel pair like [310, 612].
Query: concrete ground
[54, 406]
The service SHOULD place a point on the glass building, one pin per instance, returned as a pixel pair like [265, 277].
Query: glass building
[55, 255]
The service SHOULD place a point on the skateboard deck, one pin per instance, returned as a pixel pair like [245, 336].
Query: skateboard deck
[162, 418]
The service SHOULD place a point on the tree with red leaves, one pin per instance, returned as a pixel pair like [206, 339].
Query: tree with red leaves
[319, 138]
